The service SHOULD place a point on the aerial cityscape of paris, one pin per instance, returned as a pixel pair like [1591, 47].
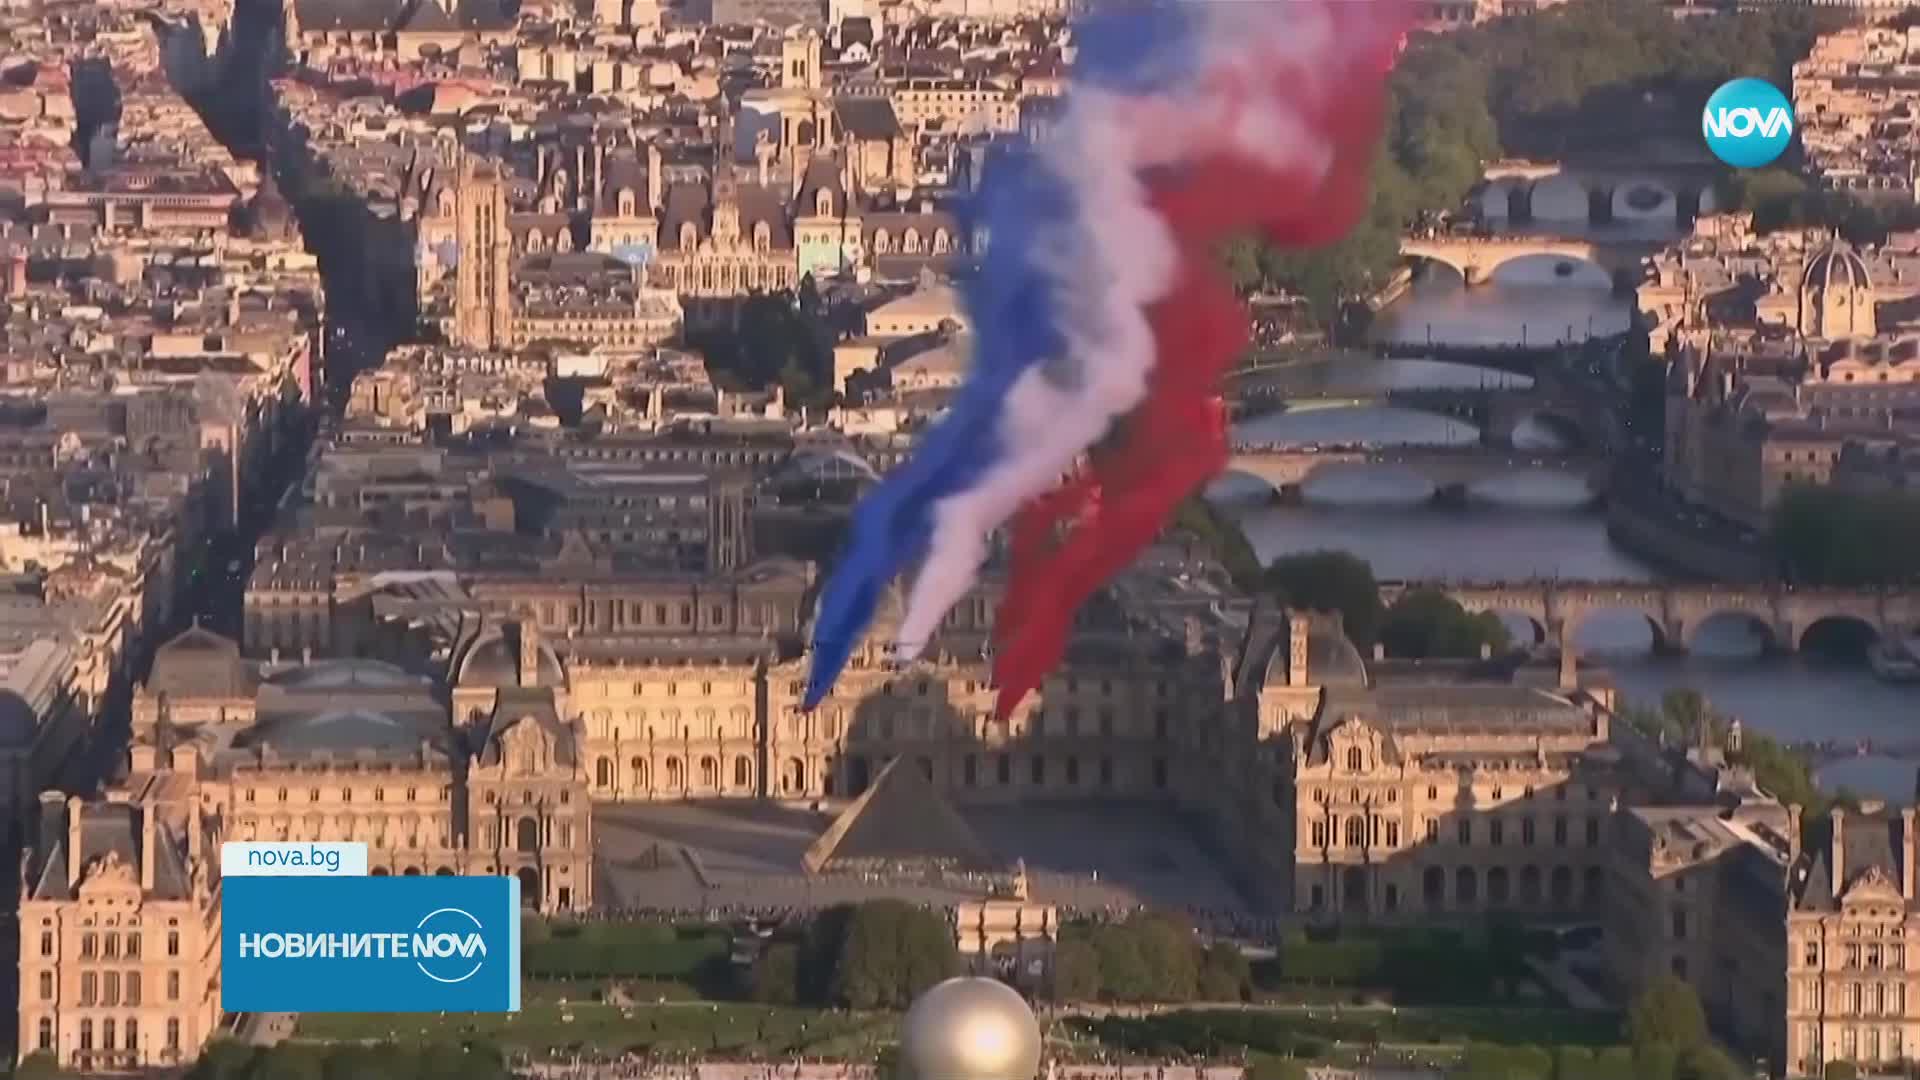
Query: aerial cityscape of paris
[960, 539]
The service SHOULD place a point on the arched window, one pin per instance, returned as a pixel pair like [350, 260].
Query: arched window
[1356, 832]
[603, 772]
[675, 775]
[910, 243]
[796, 776]
[823, 203]
[882, 242]
[626, 202]
[742, 771]
[642, 775]
[689, 239]
[762, 238]
[1356, 759]
[941, 242]
[446, 202]
[534, 240]
[709, 773]
[527, 835]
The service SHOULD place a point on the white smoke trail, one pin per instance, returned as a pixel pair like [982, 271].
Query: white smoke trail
[1114, 259]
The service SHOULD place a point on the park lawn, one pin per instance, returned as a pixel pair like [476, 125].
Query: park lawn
[685, 1029]
[1314, 1031]
[624, 950]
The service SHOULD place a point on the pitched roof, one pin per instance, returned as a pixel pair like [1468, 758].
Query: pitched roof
[899, 818]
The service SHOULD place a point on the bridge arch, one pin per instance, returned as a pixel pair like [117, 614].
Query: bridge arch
[1524, 628]
[1562, 430]
[1603, 628]
[1561, 197]
[1645, 199]
[1769, 637]
[1507, 198]
[1839, 631]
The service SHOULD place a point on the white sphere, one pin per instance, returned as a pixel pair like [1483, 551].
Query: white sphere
[970, 1029]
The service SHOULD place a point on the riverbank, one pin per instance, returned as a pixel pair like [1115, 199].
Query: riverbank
[1661, 540]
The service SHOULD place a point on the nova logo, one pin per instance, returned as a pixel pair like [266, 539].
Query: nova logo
[1747, 123]
[446, 946]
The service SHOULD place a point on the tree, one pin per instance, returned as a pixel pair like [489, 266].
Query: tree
[1225, 974]
[289, 1061]
[1429, 624]
[1667, 1013]
[1076, 971]
[1330, 581]
[1123, 970]
[224, 1059]
[893, 950]
[1826, 536]
[776, 975]
[1220, 537]
[1171, 955]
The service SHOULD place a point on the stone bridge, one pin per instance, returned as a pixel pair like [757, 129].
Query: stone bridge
[1495, 410]
[1476, 257]
[1598, 192]
[1446, 468]
[1676, 612]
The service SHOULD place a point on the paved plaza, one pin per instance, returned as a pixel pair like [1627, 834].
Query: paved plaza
[747, 856]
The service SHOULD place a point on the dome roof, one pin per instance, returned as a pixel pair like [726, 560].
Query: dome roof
[495, 661]
[346, 674]
[970, 1029]
[198, 663]
[1837, 266]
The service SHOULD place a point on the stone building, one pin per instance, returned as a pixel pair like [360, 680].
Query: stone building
[361, 750]
[119, 934]
[1698, 889]
[1427, 798]
[1851, 957]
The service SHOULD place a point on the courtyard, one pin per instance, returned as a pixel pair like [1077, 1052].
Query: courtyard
[747, 857]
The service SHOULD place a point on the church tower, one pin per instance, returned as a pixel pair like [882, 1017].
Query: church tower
[482, 312]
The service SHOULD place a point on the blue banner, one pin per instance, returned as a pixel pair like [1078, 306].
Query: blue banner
[370, 944]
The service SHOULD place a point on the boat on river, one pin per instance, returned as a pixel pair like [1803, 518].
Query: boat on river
[1895, 660]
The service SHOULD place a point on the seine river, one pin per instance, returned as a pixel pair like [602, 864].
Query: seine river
[1534, 525]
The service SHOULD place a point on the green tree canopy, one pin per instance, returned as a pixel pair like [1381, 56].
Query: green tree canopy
[1429, 624]
[1827, 536]
[1330, 581]
[892, 951]
[1666, 1013]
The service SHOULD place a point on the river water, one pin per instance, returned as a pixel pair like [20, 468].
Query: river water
[1525, 525]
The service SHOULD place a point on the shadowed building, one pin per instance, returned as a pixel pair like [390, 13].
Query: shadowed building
[120, 935]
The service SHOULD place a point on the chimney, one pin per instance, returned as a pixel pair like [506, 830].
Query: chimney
[1836, 850]
[656, 166]
[719, 402]
[147, 839]
[1298, 633]
[529, 652]
[73, 839]
[1907, 851]
[193, 830]
[1793, 833]
[17, 275]
[306, 654]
